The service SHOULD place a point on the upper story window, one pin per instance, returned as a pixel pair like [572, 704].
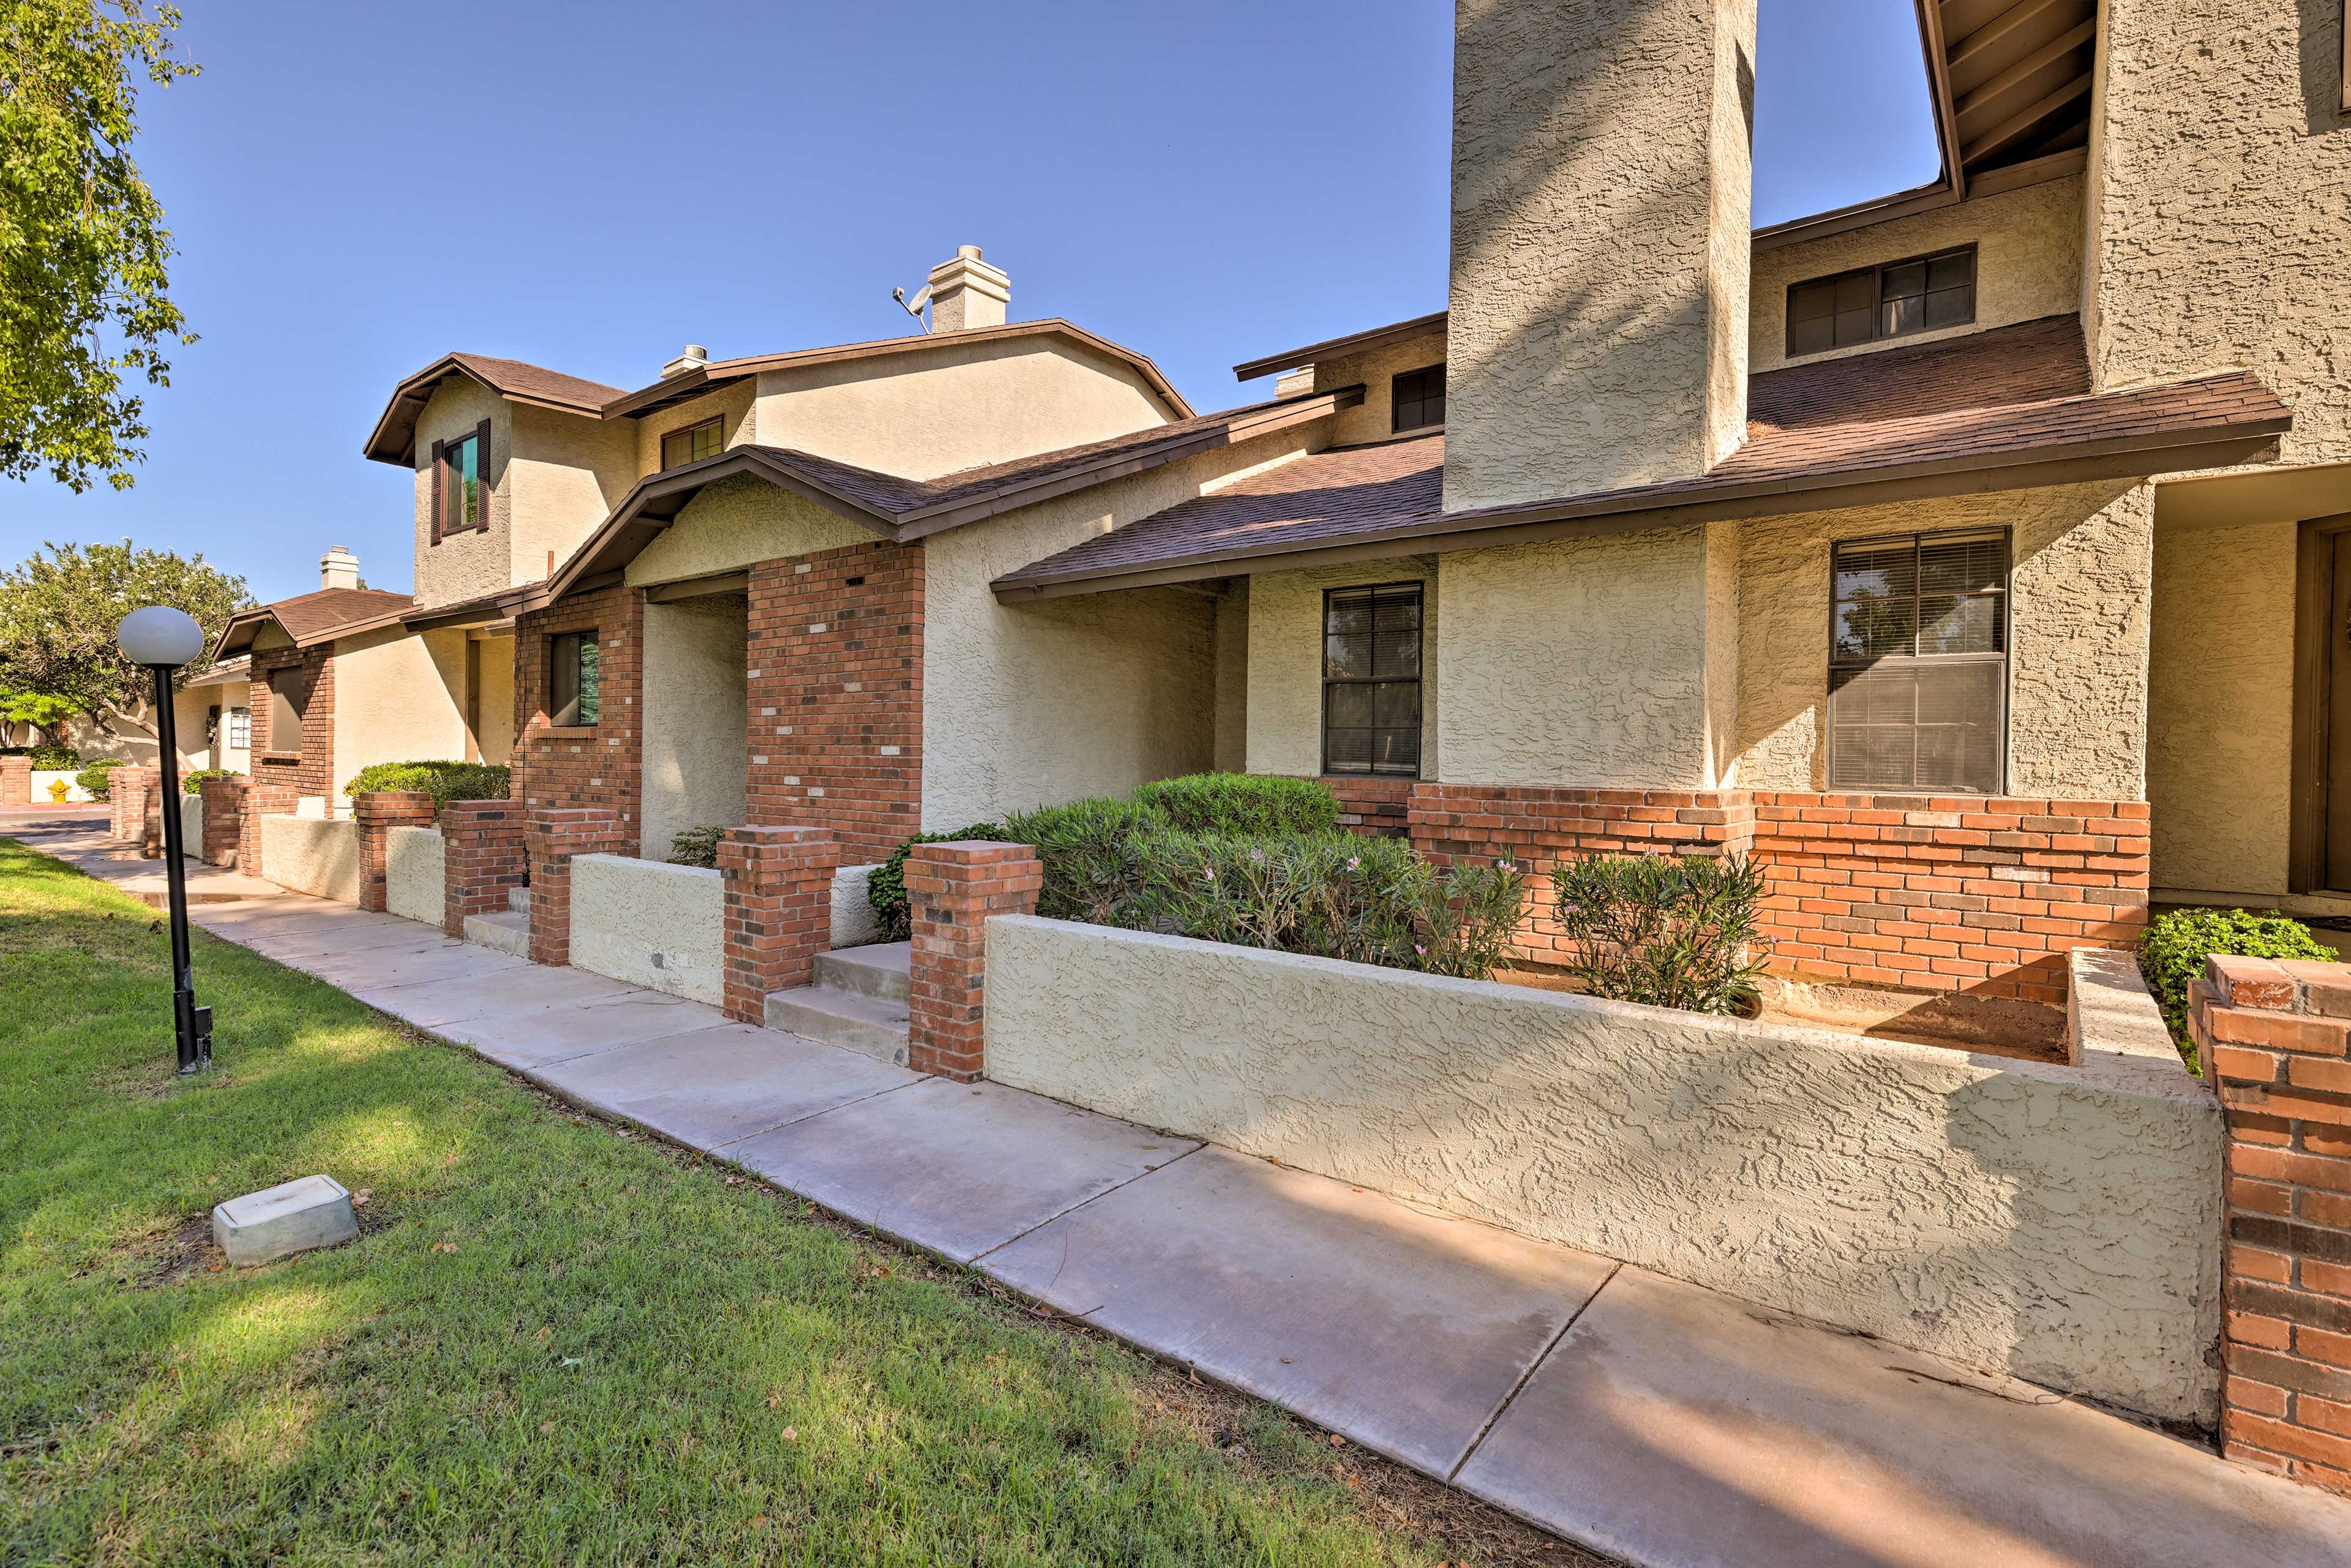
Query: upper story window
[1918, 662]
[288, 691]
[1371, 680]
[571, 679]
[694, 441]
[1418, 399]
[1894, 300]
[461, 488]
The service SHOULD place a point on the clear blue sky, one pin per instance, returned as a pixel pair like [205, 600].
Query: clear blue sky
[356, 190]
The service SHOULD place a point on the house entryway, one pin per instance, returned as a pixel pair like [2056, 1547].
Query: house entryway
[2321, 848]
[697, 722]
[858, 1001]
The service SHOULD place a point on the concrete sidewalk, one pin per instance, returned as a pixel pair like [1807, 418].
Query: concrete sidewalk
[1646, 1418]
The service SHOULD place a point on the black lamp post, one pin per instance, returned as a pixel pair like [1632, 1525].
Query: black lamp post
[163, 639]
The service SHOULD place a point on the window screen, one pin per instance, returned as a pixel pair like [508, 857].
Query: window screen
[1418, 399]
[571, 699]
[1918, 662]
[696, 441]
[286, 700]
[1892, 301]
[1371, 680]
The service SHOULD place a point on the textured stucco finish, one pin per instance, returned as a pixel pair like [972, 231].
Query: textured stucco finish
[955, 404]
[191, 825]
[2220, 760]
[2080, 571]
[2220, 188]
[854, 922]
[494, 734]
[564, 473]
[1581, 661]
[735, 523]
[475, 561]
[1375, 371]
[415, 869]
[1232, 636]
[316, 855]
[656, 925]
[2059, 1224]
[1579, 363]
[1034, 704]
[1283, 690]
[696, 718]
[2027, 265]
[736, 408]
[398, 697]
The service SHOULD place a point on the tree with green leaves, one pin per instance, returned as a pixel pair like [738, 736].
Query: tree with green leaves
[84, 300]
[59, 611]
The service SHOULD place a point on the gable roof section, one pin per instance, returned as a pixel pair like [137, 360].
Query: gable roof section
[2002, 409]
[313, 618]
[908, 509]
[1332, 348]
[393, 440]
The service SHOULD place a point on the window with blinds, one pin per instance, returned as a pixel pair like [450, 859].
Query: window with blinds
[694, 442]
[1918, 662]
[1371, 680]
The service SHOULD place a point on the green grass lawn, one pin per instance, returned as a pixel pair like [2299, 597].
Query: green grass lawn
[555, 1343]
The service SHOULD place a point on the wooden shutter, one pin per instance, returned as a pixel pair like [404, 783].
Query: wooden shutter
[437, 449]
[482, 472]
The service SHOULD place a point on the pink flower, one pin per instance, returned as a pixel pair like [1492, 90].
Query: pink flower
[1419, 949]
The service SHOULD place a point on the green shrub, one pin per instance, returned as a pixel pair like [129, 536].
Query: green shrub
[2172, 950]
[193, 783]
[53, 758]
[1094, 857]
[1242, 803]
[1672, 931]
[444, 781]
[885, 891]
[695, 846]
[92, 777]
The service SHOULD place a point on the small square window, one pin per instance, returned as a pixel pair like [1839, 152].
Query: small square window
[572, 686]
[1417, 399]
[1894, 299]
[693, 443]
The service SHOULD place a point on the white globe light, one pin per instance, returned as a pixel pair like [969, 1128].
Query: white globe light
[160, 635]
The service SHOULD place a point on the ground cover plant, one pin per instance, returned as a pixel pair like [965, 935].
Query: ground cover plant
[557, 1341]
[2172, 950]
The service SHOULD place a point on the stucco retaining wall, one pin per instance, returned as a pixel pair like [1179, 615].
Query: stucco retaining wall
[854, 922]
[2060, 1224]
[654, 924]
[317, 855]
[191, 826]
[415, 868]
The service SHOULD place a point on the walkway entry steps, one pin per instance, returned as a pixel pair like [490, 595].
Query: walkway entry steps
[509, 930]
[858, 1002]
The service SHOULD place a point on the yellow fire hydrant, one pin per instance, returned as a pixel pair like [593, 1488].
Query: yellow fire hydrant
[59, 789]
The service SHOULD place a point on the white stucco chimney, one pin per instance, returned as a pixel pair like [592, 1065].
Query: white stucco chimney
[968, 292]
[339, 568]
[1597, 335]
[693, 357]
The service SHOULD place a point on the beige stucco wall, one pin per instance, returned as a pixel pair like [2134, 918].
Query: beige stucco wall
[1375, 372]
[1232, 644]
[494, 734]
[2027, 265]
[1284, 685]
[696, 723]
[2081, 566]
[656, 925]
[959, 404]
[854, 923]
[1598, 317]
[1579, 661]
[2221, 194]
[414, 868]
[1033, 703]
[315, 855]
[567, 472]
[735, 523]
[2060, 1223]
[398, 697]
[734, 405]
[2220, 761]
[475, 563]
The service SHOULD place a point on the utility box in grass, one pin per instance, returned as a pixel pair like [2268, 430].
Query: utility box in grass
[292, 1216]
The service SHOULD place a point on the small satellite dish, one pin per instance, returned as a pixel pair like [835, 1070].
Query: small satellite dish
[912, 307]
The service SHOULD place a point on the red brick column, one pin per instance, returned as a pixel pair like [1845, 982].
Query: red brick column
[377, 811]
[15, 780]
[2273, 1037]
[778, 910]
[126, 803]
[224, 800]
[482, 859]
[151, 825]
[262, 801]
[951, 890]
[552, 838]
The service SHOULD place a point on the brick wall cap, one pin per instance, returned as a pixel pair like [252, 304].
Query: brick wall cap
[2249, 982]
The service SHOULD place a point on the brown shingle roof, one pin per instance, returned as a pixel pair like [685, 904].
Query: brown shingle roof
[393, 439]
[309, 618]
[2011, 405]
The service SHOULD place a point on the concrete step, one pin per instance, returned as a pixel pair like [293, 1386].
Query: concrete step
[871, 1026]
[519, 899]
[506, 933]
[877, 971]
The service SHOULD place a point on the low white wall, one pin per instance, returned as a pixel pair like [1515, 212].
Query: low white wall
[854, 921]
[651, 924]
[191, 826]
[312, 855]
[414, 865]
[2059, 1223]
[44, 777]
